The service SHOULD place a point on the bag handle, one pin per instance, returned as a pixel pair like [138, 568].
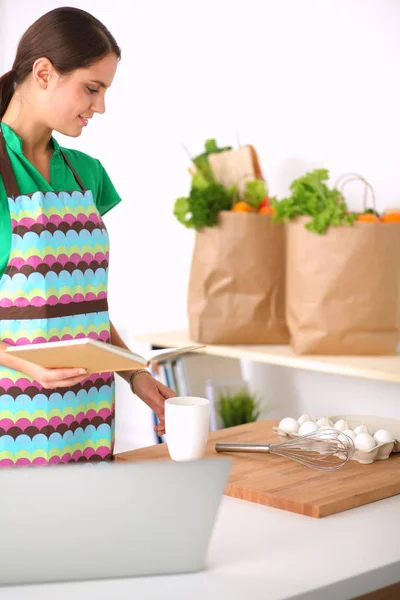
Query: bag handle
[346, 178]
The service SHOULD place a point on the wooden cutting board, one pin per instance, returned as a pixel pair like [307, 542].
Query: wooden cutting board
[282, 483]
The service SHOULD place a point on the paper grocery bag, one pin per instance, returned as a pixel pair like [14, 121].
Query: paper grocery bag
[236, 287]
[342, 288]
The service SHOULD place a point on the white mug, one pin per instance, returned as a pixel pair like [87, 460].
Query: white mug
[187, 423]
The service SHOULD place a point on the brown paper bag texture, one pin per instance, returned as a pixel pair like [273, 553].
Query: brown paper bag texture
[343, 289]
[236, 287]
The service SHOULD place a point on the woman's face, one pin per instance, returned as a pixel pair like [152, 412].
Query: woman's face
[66, 103]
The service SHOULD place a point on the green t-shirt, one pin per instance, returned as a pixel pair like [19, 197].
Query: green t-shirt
[29, 180]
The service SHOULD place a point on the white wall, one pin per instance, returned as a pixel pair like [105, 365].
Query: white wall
[310, 84]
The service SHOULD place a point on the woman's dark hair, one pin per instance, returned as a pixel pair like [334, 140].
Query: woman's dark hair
[69, 37]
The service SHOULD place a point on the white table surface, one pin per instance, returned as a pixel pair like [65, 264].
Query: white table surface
[264, 553]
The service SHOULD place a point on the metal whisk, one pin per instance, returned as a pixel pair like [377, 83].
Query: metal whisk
[325, 450]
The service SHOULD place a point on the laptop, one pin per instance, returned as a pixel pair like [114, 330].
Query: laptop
[102, 520]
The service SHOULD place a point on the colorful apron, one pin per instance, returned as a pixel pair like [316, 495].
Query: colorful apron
[54, 288]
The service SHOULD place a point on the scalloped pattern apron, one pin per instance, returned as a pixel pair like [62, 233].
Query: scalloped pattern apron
[54, 288]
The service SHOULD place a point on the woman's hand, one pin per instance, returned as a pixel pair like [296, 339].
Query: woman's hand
[48, 378]
[55, 378]
[154, 394]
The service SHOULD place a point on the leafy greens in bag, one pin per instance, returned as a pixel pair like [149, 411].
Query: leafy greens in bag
[204, 203]
[312, 197]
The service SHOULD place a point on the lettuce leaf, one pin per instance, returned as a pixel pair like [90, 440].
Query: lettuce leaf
[310, 196]
[255, 192]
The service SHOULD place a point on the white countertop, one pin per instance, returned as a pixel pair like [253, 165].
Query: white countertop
[264, 553]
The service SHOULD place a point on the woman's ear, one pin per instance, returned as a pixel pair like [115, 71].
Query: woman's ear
[41, 72]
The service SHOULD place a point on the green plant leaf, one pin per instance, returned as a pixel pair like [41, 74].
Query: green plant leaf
[182, 212]
[201, 161]
[206, 203]
[237, 408]
[199, 180]
[210, 146]
[255, 192]
[311, 196]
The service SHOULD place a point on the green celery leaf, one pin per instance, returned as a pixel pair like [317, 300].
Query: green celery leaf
[210, 146]
[199, 180]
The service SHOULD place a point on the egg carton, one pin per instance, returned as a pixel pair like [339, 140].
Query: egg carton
[380, 451]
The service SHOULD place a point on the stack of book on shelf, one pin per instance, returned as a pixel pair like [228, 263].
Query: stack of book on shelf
[172, 373]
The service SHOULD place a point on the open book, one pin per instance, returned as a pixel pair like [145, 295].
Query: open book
[93, 355]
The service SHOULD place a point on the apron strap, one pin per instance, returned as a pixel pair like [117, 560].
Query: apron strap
[78, 179]
[6, 171]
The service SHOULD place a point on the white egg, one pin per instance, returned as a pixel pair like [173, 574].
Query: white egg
[350, 433]
[305, 419]
[329, 433]
[361, 429]
[324, 422]
[383, 436]
[341, 425]
[289, 425]
[307, 427]
[345, 435]
[364, 441]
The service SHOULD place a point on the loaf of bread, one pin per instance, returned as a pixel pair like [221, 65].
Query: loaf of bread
[235, 166]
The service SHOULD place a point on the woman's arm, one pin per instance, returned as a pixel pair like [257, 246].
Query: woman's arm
[152, 392]
[48, 378]
[11, 362]
[117, 340]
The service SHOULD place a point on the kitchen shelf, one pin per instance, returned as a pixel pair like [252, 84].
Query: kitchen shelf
[380, 368]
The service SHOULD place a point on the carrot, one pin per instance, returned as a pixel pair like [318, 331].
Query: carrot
[368, 218]
[391, 217]
[242, 207]
[266, 210]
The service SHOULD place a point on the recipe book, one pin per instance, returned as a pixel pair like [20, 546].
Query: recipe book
[93, 355]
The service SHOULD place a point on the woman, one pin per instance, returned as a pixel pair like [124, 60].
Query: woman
[54, 245]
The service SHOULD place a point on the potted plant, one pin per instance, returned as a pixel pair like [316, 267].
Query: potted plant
[237, 407]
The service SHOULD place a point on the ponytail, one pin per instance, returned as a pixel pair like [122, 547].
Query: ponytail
[7, 87]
